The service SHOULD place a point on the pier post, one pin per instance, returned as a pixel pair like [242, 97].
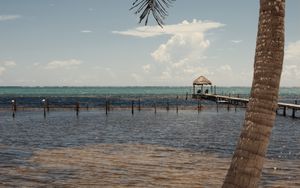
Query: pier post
[235, 105]
[215, 92]
[284, 111]
[155, 106]
[217, 103]
[228, 105]
[294, 110]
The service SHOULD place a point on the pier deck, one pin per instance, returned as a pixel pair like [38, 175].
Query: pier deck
[243, 101]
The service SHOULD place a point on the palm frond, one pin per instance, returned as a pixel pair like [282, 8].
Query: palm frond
[158, 8]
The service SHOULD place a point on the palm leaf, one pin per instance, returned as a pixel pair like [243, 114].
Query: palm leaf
[158, 8]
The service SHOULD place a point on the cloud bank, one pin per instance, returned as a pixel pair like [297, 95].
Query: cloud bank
[180, 57]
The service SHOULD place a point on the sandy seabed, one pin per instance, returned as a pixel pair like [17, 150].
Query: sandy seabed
[133, 165]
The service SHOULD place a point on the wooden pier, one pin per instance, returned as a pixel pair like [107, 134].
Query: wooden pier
[243, 101]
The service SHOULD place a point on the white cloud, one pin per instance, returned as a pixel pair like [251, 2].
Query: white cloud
[6, 65]
[292, 51]
[64, 64]
[9, 17]
[2, 70]
[146, 68]
[291, 66]
[182, 56]
[9, 63]
[236, 41]
[86, 31]
[184, 27]
[136, 77]
[225, 68]
[36, 64]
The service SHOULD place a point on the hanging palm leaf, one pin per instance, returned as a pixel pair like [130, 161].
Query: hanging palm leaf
[158, 8]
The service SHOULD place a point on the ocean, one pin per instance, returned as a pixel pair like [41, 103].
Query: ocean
[122, 96]
[144, 149]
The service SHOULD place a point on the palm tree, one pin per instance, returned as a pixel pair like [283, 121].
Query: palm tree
[156, 7]
[247, 161]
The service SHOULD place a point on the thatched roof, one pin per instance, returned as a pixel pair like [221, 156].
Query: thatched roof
[201, 80]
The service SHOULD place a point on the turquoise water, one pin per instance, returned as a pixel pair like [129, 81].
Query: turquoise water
[120, 96]
[293, 92]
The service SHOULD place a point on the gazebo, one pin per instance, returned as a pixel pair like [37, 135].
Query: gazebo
[200, 81]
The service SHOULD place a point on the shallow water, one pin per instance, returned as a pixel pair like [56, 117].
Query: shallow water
[26, 140]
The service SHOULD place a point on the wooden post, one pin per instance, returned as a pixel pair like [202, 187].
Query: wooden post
[77, 108]
[14, 107]
[294, 113]
[294, 110]
[186, 96]
[168, 105]
[235, 105]
[106, 107]
[155, 106]
[44, 106]
[177, 104]
[194, 91]
[199, 107]
[228, 107]
[215, 87]
[47, 105]
[139, 104]
[284, 111]
[132, 107]
[217, 103]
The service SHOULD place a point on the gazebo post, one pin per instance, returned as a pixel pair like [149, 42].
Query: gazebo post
[194, 89]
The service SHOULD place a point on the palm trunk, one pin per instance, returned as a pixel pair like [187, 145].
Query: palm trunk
[247, 162]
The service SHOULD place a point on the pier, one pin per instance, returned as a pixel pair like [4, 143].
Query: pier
[243, 101]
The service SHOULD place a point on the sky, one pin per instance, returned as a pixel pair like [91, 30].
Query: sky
[101, 43]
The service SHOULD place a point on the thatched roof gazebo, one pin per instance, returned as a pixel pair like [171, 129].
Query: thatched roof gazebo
[200, 81]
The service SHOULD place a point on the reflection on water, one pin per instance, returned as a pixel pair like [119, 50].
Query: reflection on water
[144, 150]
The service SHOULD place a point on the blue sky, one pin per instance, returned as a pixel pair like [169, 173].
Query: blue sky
[100, 43]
